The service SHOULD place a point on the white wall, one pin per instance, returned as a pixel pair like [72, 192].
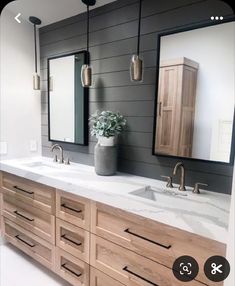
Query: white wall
[20, 105]
[214, 49]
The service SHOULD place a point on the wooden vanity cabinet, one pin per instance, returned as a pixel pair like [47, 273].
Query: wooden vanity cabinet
[90, 243]
[176, 107]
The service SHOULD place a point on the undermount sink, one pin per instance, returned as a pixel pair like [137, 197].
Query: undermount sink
[40, 165]
[157, 194]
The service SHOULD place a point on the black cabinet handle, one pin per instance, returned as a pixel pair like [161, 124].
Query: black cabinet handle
[23, 216]
[70, 208]
[22, 190]
[137, 275]
[150, 240]
[64, 236]
[25, 242]
[68, 269]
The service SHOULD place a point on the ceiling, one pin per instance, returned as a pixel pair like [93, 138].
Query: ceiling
[50, 11]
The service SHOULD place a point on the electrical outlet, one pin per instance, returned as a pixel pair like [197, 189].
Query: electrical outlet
[3, 148]
[33, 146]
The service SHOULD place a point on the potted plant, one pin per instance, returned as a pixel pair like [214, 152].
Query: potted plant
[106, 125]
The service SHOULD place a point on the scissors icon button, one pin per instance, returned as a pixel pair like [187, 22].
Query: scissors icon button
[217, 268]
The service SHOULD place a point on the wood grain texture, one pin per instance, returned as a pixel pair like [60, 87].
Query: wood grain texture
[72, 239]
[73, 209]
[113, 40]
[35, 194]
[98, 278]
[156, 241]
[76, 272]
[39, 250]
[113, 260]
[30, 218]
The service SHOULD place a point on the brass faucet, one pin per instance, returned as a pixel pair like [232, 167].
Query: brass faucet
[61, 157]
[182, 177]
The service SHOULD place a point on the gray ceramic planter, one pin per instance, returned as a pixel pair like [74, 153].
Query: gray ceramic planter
[105, 160]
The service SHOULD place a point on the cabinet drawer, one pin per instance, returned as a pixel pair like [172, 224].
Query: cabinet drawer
[73, 209]
[37, 248]
[40, 223]
[38, 195]
[72, 269]
[130, 268]
[151, 239]
[98, 278]
[72, 239]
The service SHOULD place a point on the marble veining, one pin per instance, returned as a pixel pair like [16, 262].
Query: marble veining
[206, 214]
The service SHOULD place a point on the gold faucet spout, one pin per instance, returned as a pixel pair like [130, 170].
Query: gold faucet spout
[182, 176]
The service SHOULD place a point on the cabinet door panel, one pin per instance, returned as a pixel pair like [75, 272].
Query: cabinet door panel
[130, 268]
[73, 209]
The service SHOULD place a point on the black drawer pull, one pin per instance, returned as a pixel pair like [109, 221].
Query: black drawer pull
[25, 242]
[152, 241]
[23, 216]
[137, 275]
[70, 208]
[22, 190]
[64, 236]
[68, 269]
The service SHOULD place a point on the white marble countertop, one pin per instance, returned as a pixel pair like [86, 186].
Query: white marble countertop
[206, 214]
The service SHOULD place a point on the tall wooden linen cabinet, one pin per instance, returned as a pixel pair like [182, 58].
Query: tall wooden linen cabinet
[176, 107]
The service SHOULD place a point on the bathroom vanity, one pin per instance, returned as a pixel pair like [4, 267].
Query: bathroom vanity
[104, 231]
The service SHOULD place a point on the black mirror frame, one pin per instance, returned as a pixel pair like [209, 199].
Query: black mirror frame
[85, 95]
[175, 31]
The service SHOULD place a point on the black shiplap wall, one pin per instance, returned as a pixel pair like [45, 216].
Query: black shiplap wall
[113, 40]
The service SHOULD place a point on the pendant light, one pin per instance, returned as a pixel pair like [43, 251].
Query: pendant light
[36, 78]
[86, 71]
[136, 66]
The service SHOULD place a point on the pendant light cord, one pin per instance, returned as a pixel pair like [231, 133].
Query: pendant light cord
[35, 47]
[88, 18]
[139, 24]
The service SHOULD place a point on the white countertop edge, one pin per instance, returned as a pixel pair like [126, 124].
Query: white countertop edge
[125, 202]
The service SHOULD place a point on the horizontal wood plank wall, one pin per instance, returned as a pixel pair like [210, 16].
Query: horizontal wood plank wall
[113, 40]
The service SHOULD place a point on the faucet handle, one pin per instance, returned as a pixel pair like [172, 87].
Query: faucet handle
[55, 159]
[196, 188]
[67, 161]
[169, 181]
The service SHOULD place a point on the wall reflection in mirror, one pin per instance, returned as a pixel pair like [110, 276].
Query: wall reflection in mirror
[195, 95]
[68, 100]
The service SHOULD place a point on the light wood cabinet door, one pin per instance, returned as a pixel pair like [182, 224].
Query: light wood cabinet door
[37, 248]
[166, 111]
[176, 107]
[154, 240]
[98, 278]
[30, 218]
[73, 209]
[130, 268]
[73, 239]
[32, 193]
[72, 269]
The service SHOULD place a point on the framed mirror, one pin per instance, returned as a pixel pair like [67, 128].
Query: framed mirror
[195, 95]
[67, 99]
